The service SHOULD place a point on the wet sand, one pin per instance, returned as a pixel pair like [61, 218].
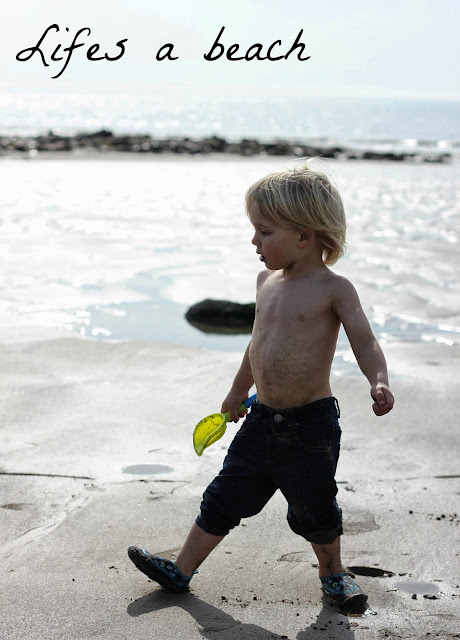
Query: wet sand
[97, 455]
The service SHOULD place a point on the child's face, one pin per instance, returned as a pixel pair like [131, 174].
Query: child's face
[277, 245]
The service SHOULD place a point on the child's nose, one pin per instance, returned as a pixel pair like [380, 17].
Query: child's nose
[255, 240]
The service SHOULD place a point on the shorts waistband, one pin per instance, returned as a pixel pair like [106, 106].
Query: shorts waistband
[322, 406]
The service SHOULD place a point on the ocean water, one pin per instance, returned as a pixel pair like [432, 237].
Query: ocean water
[363, 122]
[119, 247]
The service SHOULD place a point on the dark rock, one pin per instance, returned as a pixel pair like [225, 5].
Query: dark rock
[246, 147]
[221, 316]
[52, 142]
[136, 144]
[216, 145]
[328, 152]
[437, 157]
[278, 149]
[377, 155]
[103, 133]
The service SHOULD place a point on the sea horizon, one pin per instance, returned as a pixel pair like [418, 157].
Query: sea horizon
[357, 120]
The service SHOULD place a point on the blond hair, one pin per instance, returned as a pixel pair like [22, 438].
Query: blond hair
[304, 198]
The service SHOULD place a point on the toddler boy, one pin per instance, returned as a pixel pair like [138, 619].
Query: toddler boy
[290, 439]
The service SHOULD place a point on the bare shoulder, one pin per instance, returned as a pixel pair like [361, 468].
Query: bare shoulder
[339, 283]
[335, 283]
[262, 278]
[342, 291]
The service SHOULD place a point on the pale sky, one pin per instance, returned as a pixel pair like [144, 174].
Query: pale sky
[406, 48]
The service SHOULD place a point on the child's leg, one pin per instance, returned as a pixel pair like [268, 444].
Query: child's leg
[328, 557]
[241, 490]
[335, 580]
[196, 548]
[176, 576]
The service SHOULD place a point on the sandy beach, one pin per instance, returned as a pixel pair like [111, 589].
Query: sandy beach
[97, 455]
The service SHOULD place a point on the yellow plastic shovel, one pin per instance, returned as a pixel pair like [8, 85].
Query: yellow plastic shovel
[212, 428]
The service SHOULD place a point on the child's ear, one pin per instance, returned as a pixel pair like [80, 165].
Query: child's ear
[307, 236]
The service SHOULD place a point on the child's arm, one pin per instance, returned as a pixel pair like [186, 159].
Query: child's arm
[367, 350]
[239, 392]
[244, 379]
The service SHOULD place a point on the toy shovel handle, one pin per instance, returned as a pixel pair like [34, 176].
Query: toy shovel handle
[247, 403]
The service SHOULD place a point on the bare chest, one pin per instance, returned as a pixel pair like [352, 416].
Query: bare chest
[292, 345]
[292, 309]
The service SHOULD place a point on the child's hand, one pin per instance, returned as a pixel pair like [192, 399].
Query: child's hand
[232, 403]
[383, 399]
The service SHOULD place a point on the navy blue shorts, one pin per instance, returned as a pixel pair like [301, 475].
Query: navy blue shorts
[294, 450]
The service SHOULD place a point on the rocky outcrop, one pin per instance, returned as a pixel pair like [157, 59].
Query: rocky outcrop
[106, 141]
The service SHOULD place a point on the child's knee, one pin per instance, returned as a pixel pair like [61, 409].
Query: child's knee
[323, 529]
[215, 524]
[218, 517]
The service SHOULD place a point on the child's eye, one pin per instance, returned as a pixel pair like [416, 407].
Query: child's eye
[264, 233]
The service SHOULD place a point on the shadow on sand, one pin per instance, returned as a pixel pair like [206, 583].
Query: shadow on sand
[215, 624]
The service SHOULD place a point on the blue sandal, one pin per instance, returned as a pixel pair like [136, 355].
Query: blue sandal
[343, 590]
[161, 570]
